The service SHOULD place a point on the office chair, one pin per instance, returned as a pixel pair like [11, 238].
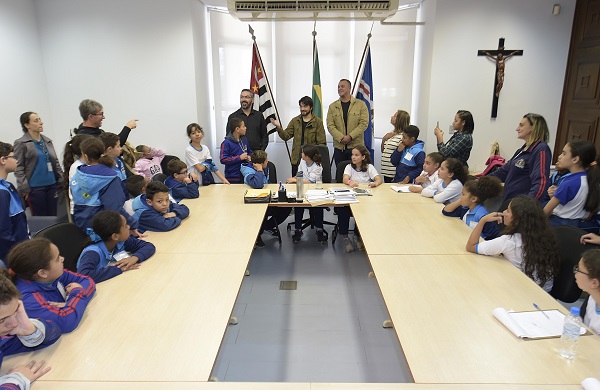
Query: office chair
[570, 250]
[272, 172]
[161, 177]
[38, 222]
[339, 178]
[68, 238]
[165, 162]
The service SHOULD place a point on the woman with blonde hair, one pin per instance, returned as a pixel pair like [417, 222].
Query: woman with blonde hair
[400, 120]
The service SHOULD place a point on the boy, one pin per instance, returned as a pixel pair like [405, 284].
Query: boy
[149, 164]
[235, 150]
[13, 222]
[181, 185]
[136, 186]
[112, 145]
[409, 157]
[154, 210]
[430, 172]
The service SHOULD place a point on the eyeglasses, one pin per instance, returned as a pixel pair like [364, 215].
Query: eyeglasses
[13, 157]
[576, 269]
[99, 114]
[183, 173]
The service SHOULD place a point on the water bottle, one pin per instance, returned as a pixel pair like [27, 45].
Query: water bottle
[570, 334]
[300, 185]
[319, 182]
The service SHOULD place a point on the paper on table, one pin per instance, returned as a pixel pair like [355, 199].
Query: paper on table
[532, 324]
[590, 384]
[400, 188]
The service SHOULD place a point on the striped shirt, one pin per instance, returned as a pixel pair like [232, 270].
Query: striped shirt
[387, 169]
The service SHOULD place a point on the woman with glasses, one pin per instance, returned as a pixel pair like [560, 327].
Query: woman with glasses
[38, 170]
[527, 171]
[587, 276]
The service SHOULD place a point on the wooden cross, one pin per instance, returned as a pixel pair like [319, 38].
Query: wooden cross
[499, 57]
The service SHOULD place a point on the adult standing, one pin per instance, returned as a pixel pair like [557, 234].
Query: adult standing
[347, 120]
[400, 120]
[38, 170]
[256, 126]
[460, 144]
[306, 129]
[527, 171]
[92, 114]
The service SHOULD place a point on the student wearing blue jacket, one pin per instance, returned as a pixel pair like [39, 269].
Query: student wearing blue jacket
[112, 146]
[110, 250]
[235, 150]
[49, 292]
[13, 222]
[154, 210]
[181, 184]
[96, 186]
[409, 157]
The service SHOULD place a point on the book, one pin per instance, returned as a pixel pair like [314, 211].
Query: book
[257, 196]
[532, 324]
[400, 188]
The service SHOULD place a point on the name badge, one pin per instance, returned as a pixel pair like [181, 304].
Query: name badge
[49, 165]
[408, 156]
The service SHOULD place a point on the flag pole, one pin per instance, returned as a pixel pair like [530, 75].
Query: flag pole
[362, 61]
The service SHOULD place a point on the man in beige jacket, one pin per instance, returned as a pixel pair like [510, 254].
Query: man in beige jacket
[347, 120]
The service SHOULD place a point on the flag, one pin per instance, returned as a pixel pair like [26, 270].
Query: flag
[261, 89]
[365, 93]
[317, 96]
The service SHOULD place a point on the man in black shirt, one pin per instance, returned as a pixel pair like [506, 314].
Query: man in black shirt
[256, 126]
[92, 114]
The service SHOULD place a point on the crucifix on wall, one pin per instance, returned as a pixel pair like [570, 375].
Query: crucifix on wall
[499, 56]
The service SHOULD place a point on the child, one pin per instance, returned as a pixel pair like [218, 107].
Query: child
[181, 184]
[149, 163]
[409, 157]
[310, 165]
[360, 171]
[587, 276]
[136, 186]
[198, 158]
[49, 292]
[470, 205]
[430, 172]
[235, 150]
[19, 333]
[448, 187]
[555, 179]
[71, 160]
[112, 145]
[96, 187]
[13, 222]
[110, 250]
[256, 175]
[578, 196]
[154, 210]
[528, 241]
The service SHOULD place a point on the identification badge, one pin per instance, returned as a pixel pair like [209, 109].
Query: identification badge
[121, 255]
[408, 156]
[49, 166]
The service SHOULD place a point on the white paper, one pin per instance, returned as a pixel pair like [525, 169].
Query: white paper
[400, 188]
[590, 384]
[532, 324]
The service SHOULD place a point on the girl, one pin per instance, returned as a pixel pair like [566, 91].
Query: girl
[359, 171]
[49, 292]
[578, 195]
[587, 276]
[71, 160]
[109, 244]
[19, 333]
[310, 165]
[400, 120]
[149, 164]
[460, 144]
[447, 188]
[470, 205]
[96, 186]
[197, 156]
[528, 241]
[430, 172]
[235, 150]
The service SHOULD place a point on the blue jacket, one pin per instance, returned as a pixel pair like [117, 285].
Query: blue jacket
[150, 219]
[96, 188]
[408, 167]
[180, 191]
[490, 229]
[10, 345]
[95, 258]
[37, 297]
[13, 222]
[254, 178]
[231, 150]
[122, 175]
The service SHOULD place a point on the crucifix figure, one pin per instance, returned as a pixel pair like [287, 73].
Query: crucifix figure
[499, 57]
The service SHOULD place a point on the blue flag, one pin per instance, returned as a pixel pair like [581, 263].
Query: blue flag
[365, 93]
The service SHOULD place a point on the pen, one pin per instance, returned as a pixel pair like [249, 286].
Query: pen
[538, 308]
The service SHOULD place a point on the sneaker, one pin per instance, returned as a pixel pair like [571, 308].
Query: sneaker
[297, 235]
[259, 243]
[348, 244]
[274, 232]
[358, 243]
[322, 236]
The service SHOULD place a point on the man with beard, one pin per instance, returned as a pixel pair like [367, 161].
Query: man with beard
[306, 129]
[256, 126]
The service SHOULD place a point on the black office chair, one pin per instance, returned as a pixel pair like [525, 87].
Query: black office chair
[272, 172]
[68, 238]
[165, 162]
[161, 177]
[339, 178]
[570, 250]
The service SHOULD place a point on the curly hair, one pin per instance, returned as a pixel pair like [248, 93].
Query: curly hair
[458, 170]
[484, 188]
[540, 250]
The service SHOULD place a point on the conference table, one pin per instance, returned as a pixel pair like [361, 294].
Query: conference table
[161, 326]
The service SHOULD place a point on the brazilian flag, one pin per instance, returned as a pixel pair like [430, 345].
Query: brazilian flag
[317, 96]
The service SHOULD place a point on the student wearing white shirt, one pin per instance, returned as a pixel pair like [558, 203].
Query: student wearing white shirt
[429, 175]
[448, 187]
[198, 158]
[587, 275]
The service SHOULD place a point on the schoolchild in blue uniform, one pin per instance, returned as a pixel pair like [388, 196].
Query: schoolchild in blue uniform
[235, 150]
[577, 198]
[21, 334]
[409, 157]
[181, 184]
[112, 147]
[470, 206]
[49, 292]
[96, 186]
[154, 210]
[13, 222]
[110, 250]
